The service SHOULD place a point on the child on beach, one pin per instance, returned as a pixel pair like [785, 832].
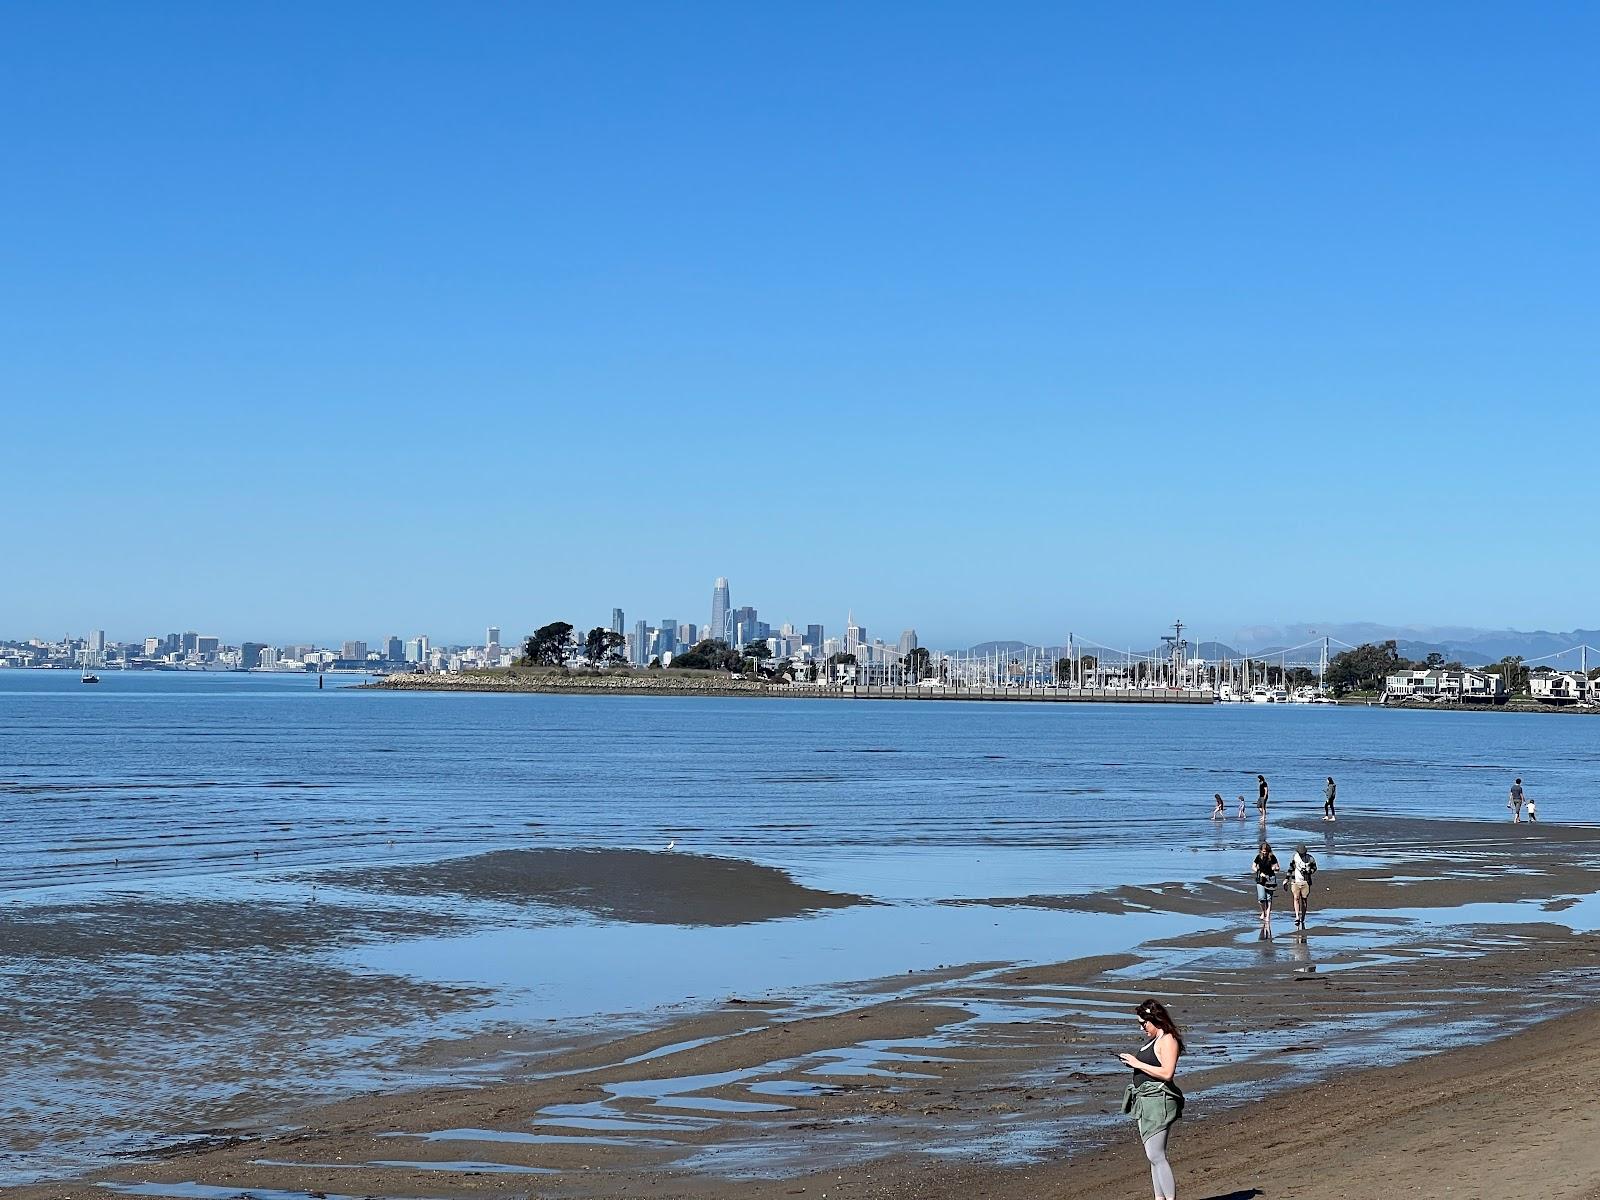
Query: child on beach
[1217, 813]
[1532, 815]
[1241, 808]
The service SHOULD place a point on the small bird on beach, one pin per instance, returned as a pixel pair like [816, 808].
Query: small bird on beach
[673, 844]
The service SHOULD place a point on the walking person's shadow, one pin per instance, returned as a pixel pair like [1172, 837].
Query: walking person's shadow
[1244, 1194]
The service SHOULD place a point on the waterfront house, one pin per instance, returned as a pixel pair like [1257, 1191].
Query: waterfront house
[1472, 687]
[1559, 687]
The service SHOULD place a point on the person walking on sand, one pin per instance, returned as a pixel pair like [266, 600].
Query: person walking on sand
[1264, 870]
[1301, 868]
[1328, 794]
[1218, 813]
[1533, 813]
[1515, 803]
[1154, 1098]
[1261, 796]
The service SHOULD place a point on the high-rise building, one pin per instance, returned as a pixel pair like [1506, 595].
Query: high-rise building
[688, 633]
[394, 649]
[854, 634]
[206, 646]
[250, 654]
[616, 620]
[354, 650]
[721, 613]
[814, 638]
[97, 641]
[669, 635]
[492, 636]
[908, 642]
[187, 640]
[641, 644]
[414, 651]
[152, 647]
[744, 624]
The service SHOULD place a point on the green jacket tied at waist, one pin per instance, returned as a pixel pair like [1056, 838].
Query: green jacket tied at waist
[1155, 1105]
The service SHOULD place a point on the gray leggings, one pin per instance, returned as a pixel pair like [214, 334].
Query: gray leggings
[1155, 1149]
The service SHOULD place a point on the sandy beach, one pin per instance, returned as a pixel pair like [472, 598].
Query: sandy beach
[1348, 1058]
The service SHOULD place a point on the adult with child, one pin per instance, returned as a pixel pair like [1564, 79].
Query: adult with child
[1515, 802]
[1154, 1098]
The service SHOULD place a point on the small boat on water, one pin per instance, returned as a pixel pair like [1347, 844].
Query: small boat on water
[1262, 694]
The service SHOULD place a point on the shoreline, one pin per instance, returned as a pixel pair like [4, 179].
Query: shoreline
[708, 684]
[946, 1083]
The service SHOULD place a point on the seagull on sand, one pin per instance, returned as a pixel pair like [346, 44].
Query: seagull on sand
[673, 844]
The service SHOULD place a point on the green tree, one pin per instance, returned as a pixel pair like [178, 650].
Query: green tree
[548, 645]
[602, 646]
[1365, 667]
[918, 664]
[709, 654]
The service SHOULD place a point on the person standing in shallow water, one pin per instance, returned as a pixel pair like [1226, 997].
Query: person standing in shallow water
[1154, 1098]
[1264, 870]
[1261, 796]
[1217, 813]
[1515, 803]
[1328, 794]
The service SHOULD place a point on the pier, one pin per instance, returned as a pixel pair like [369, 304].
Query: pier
[1045, 695]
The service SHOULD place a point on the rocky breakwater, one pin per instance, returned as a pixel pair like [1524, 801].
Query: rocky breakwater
[668, 682]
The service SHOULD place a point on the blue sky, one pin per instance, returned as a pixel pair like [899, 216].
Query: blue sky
[325, 321]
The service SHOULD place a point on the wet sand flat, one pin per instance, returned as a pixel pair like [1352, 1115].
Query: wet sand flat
[623, 885]
[984, 1078]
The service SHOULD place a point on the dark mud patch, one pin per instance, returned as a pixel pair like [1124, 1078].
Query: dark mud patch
[123, 925]
[619, 885]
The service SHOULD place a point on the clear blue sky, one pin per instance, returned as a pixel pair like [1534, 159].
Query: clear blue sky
[337, 320]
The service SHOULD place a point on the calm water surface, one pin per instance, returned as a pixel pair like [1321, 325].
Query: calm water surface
[172, 775]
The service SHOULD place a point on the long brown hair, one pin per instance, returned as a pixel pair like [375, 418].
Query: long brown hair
[1156, 1013]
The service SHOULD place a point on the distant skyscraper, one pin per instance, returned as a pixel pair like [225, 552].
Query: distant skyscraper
[720, 612]
[616, 620]
[744, 624]
[492, 636]
[688, 634]
[187, 641]
[908, 642]
[97, 641]
[854, 635]
[814, 638]
[354, 650]
[250, 655]
[669, 635]
[641, 644]
[207, 645]
[394, 649]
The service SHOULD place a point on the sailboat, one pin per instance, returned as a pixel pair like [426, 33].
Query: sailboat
[88, 675]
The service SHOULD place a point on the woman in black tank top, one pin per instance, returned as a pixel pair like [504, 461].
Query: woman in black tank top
[1154, 1098]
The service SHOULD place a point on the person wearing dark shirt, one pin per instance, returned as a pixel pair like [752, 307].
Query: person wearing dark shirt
[1264, 870]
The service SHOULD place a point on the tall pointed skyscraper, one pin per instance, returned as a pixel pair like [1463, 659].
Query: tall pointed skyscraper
[720, 612]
